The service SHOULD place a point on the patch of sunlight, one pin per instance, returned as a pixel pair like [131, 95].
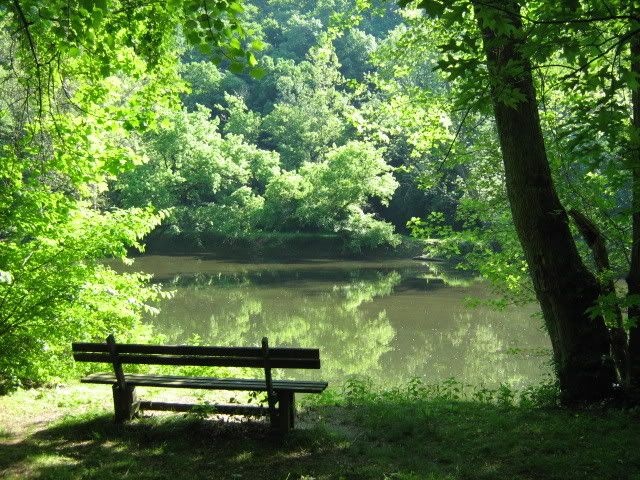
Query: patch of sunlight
[307, 453]
[190, 396]
[243, 457]
[157, 450]
[450, 281]
[297, 454]
[52, 460]
[491, 468]
[115, 447]
[73, 396]
[414, 476]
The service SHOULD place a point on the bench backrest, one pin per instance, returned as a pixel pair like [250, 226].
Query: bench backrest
[257, 357]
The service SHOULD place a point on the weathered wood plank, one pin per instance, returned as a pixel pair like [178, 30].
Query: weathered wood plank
[192, 350]
[201, 361]
[125, 402]
[226, 409]
[292, 403]
[285, 406]
[207, 383]
[268, 381]
[115, 361]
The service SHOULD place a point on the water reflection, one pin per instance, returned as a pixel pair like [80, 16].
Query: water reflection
[390, 320]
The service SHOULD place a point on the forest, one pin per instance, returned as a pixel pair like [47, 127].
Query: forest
[499, 140]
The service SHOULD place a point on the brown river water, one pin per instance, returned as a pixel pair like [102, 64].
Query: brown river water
[389, 320]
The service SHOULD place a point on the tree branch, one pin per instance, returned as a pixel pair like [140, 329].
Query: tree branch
[32, 46]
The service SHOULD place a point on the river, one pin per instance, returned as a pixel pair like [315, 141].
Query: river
[390, 320]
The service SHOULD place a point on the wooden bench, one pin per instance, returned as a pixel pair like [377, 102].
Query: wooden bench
[279, 392]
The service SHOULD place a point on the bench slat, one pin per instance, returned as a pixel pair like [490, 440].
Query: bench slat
[189, 360]
[192, 350]
[207, 383]
[254, 410]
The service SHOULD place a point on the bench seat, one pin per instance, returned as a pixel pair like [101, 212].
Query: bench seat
[206, 383]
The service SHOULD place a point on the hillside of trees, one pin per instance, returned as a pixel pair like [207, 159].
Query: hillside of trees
[303, 148]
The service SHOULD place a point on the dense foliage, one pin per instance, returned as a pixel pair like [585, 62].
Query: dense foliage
[219, 185]
[276, 146]
[78, 81]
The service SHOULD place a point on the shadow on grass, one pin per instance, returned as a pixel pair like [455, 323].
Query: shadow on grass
[409, 440]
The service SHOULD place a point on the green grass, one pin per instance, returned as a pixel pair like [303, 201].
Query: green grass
[69, 434]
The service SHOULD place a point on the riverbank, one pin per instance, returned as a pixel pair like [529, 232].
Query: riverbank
[68, 432]
[275, 245]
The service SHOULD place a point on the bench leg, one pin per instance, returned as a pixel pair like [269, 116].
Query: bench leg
[286, 411]
[292, 411]
[125, 403]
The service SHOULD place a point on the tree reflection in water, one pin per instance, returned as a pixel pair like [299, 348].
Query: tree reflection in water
[388, 322]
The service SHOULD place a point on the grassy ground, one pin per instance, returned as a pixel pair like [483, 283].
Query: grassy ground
[68, 433]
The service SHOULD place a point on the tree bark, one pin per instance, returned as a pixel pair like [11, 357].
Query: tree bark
[565, 288]
[617, 334]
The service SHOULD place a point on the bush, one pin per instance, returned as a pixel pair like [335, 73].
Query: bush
[57, 290]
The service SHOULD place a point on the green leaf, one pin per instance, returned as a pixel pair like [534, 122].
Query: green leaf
[257, 45]
[433, 8]
[258, 73]
[236, 67]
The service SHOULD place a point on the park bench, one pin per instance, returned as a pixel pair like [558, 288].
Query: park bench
[279, 392]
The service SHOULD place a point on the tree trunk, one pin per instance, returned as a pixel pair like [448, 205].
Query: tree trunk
[617, 334]
[633, 278]
[564, 286]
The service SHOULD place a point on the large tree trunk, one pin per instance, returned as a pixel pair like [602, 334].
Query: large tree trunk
[617, 334]
[633, 279]
[564, 286]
